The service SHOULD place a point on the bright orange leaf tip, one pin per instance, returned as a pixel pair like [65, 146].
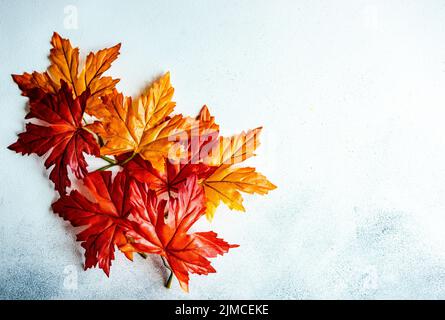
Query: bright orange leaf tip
[65, 67]
[161, 227]
[207, 120]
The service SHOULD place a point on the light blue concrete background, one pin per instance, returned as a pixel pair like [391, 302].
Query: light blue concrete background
[351, 95]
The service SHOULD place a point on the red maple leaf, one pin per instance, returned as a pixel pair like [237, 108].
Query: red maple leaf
[161, 227]
[104, 217]
[60, 134]
[175, 174]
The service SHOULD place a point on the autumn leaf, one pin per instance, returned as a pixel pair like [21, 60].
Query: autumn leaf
[162, 228]
[102, 209]
[234, 149]
[65, 67]
[226, 182]
[61, 134]
[142, 126]
[169, 180]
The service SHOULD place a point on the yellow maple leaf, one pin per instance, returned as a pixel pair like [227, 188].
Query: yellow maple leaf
[227, 181]
[234, 149]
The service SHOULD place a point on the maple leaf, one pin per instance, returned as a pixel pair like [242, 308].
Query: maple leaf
[65, 67]
[142, 126]
[161, 227]
[169, 180]
[104, 217]
[60, 134]
[234, 149]
[225, 183]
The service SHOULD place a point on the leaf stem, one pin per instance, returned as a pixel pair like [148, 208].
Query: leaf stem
[143, 255]
[128, 159]
[107, 166]
[107, 159]
[168, 284]
[113, 163]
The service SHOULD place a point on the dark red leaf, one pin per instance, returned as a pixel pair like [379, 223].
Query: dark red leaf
[59, 133]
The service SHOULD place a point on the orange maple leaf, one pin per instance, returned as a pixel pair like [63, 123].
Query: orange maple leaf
[65, 66]
[143, 126]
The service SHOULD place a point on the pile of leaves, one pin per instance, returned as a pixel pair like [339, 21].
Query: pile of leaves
[173, 169]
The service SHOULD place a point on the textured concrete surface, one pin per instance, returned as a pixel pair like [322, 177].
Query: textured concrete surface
[351, 96]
